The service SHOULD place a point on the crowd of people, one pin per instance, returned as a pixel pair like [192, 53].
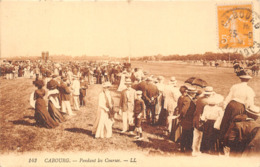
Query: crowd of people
[200, 120]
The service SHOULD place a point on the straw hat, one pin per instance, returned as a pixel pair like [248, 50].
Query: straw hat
[255, 110]
[139, 92]
[248, 77]
[160, 78]
[173, 80]
[191, 90]
[106, 84]
[149, 79]
[208, 90]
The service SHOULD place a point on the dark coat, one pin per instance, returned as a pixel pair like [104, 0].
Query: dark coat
[200, 104]
[151, 90]
[232, 110]
[244, 136]
[41, 115]
[83, 88]
[141, 86]
[188, 108]
[64, 92]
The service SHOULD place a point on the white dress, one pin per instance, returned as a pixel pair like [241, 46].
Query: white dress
[122, 85]
[32, 101]
[76, 87]
[104, 127]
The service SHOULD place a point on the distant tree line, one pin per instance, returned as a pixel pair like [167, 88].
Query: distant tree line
[208, 56]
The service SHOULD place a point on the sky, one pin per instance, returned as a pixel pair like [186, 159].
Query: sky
[118, 28]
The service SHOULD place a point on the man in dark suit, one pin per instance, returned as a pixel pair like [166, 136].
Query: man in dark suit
[188, 108]
[83, 91]
[65, 96]
[98, 75]
[151, 93]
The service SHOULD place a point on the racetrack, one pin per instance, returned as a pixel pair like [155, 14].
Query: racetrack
[18, 133]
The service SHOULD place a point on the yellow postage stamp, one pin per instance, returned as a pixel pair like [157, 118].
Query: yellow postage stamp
[235, 26]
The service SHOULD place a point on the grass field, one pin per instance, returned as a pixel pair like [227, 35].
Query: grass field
[18, 133]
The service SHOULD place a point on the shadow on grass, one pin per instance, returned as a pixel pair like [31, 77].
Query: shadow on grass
[157, 144]
[23, 122]
[29, 117]
[80, 130]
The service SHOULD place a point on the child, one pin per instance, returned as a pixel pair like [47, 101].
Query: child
[139, 108]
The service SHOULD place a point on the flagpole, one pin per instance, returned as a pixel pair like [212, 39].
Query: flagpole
[129, 39]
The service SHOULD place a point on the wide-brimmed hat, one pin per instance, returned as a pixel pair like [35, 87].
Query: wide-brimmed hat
[155, 80]
[245, 77]
[64, 78]
[52, 84]
[139, 92]
[208, 90]
[54, 76]
[138, 78]
[106, 84]
[149, 79]
[173, 80]
[191, 90]
[183, 88]
[143, 77]
[215, 99]
[39, 83]
[255, 110]
[160, 78]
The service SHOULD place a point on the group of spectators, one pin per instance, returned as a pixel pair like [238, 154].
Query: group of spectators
[201, 121]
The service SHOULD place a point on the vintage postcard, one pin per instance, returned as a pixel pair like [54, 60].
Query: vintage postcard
[129, 83]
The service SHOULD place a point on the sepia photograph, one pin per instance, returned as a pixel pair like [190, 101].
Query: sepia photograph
[129, 83]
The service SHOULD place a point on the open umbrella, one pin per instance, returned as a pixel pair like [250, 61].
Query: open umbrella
[197, 82]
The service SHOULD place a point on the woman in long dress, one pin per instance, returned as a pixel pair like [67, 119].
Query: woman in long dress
[54, 106]
[103, 123]
[122, 85]
[42, 115]
[211, 114]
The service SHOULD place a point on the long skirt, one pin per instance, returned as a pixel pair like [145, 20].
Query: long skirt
[42, 115]
[55, 113]
[209, 138]
[163, 115]
[176, 128]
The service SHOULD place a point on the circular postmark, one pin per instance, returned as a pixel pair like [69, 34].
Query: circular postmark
[238, 26]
